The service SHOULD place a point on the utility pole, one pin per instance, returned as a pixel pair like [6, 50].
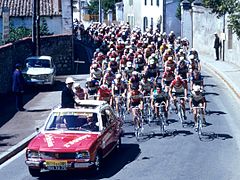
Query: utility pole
[38, 29]
[100, 11]
[80, 10]
[34, 17]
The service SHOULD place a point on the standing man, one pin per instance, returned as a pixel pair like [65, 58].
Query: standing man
[217, 45]
[68, 94]
[18, 87]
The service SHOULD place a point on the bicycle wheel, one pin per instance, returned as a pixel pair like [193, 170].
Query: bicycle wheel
[180, 114]
[199, 126]
[149, 114]
[162, 124]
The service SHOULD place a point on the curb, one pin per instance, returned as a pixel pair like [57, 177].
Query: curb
[16, 148]
[222, 76]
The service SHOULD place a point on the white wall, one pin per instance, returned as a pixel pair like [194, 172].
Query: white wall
[204, 25]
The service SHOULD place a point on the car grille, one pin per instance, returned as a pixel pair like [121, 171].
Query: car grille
[54, 155]
[39, 77]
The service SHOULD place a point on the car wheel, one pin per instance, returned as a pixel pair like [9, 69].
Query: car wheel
[98, 162]
[119, 143]
[34, 172]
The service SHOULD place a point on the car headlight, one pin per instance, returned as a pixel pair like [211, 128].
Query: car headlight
[33, 154]
[83, 155]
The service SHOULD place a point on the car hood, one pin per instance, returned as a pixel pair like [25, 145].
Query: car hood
[37, 71]
[62, 142]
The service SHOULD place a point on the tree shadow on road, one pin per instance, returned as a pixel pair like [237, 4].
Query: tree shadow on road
[112, 165]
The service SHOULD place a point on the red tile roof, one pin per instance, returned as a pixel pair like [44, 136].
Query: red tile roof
[24, 7]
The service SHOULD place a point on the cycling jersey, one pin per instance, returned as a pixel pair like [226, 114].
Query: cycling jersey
[182, 71]
[146, 87]
[114, 66]
[139, 64]
[134, 81]
[109, 78]
[168, 77]
[104, 94]
[198, 80]
[135, 97]
[159, 97]
[197, 98]
[179, 87]
[96, 73]
[152, 71]
[92, 86]
[118, 87]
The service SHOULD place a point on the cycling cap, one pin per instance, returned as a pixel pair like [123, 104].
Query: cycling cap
[118, 76]
[151, 61]
[129, 64]
[191, 56]
[134, 73]
[196, 88]
[69, 80]
[77, 85]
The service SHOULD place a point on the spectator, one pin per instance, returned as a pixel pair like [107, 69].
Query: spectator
[18, 87]
[68, 94]
[217, 45]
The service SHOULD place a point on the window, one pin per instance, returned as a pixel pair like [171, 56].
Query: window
[145, 2]
[145, 23]
[130, 2]
[157, 2]
[229, 38]
[151, 2]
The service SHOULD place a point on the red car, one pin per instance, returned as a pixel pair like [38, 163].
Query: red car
[75, 138]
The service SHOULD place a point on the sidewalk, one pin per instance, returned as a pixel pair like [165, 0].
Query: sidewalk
[20, 127]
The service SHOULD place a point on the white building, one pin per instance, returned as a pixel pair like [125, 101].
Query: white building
[144, 13]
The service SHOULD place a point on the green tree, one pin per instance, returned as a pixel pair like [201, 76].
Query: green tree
[106, 5]
[178, 13]
[230, 7]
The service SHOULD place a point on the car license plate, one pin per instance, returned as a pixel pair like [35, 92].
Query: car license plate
[56, 165]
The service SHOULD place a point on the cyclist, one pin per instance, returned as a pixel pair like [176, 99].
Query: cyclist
[134, 80]
[139, 63]
[135, 100]
[80, 93]
[128, 70]
[167, 77]
[158, 97]
[119, 88]
[92, 86]
[182, 69]
[196, 79]
[178, 88]
[194, 64]
[197, 98]
[108, 77]
[96, 72]
[104, 93]
[151, 69]
[145, 86]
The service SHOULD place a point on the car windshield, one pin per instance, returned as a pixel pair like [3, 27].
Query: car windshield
[73, 122]
[45, 63]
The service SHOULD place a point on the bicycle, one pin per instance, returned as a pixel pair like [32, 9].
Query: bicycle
[121, 106]
[138, 122]
[180, 111]
[147, 111]
[199, 127]
[161, 116]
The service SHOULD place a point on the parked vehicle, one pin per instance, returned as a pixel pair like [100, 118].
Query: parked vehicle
[75, 138]
[39, 70]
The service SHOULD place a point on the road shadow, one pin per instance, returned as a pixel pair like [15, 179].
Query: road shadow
[211, 93]
[210, 85]
[7, 103]
[116, 161]
[209, 112]
[210, 136]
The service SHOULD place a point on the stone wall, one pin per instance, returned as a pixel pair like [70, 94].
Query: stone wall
[202, 25]
[57, 46]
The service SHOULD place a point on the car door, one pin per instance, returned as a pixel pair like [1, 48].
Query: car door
[108, 130]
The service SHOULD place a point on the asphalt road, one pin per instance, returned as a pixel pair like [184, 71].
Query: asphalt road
[180, 155]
